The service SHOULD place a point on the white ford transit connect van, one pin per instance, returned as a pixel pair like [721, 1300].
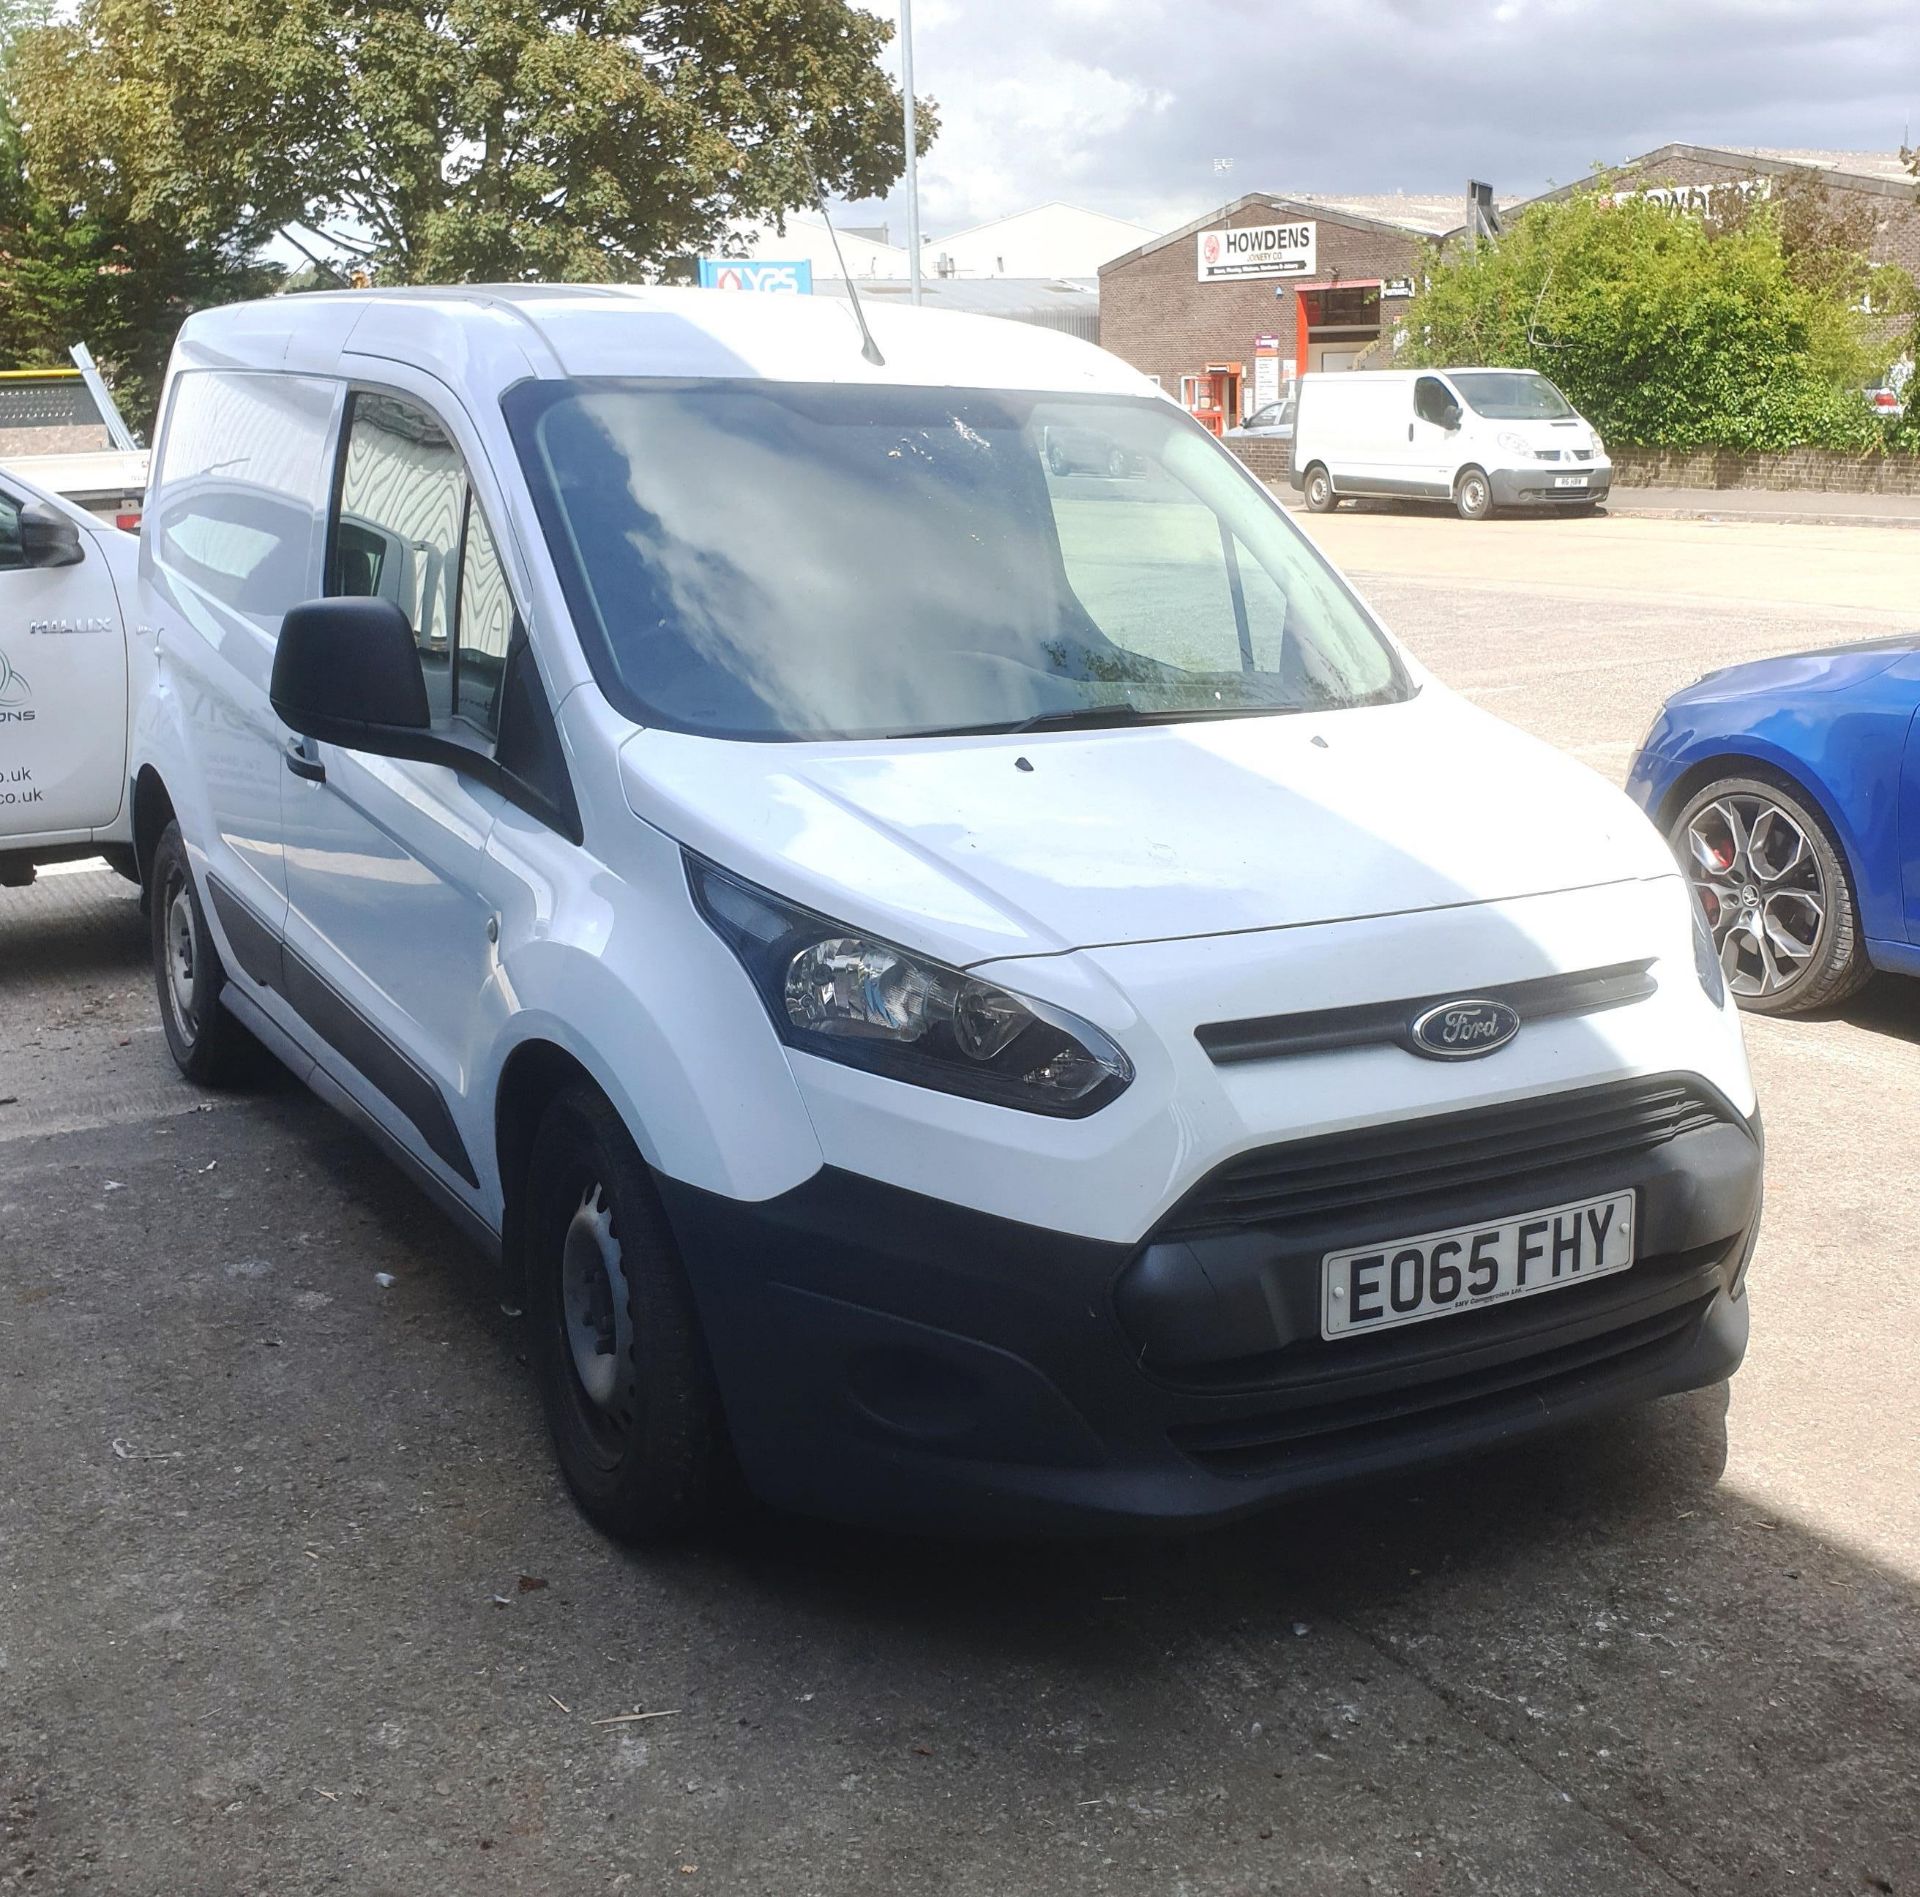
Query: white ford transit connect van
[970, 996]
[1482, 438]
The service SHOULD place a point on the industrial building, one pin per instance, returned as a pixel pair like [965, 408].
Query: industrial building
[1226, 310]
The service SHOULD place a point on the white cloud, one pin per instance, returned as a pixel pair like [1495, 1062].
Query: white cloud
[1124, 105]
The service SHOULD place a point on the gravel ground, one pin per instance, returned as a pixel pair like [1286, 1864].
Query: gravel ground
[291, 1600]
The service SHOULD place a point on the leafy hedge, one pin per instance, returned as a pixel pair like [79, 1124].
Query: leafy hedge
[1672, 330]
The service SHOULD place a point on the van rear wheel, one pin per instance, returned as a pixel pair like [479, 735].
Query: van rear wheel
[1321, 499]
[1473, 495]
[616, 1339]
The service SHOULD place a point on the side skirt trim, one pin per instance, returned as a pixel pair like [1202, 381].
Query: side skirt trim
[305, 1068]
[266, 959]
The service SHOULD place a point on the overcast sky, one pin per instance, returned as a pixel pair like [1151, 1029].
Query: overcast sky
[1126, 105]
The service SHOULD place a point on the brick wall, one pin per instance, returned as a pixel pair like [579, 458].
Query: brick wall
[1157, 315]
[1818, 469]
[76, 438]
[1270, 460]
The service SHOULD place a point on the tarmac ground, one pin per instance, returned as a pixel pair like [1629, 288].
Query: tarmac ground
[292, 1601]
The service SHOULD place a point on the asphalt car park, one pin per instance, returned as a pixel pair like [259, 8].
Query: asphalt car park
[292, 1600]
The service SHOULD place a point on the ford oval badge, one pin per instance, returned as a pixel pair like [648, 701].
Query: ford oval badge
[1464, 1029]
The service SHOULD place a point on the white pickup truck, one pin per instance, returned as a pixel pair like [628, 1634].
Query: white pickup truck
[72, 664]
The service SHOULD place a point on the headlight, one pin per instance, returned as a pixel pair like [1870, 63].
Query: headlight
[1706, 958]
[1599, 446]
[1515, 445]
[866, 1003]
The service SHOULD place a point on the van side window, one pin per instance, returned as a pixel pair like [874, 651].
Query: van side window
[403, 496]
[409, 530]
[1433, 403]
[241, 475]
[485, 626]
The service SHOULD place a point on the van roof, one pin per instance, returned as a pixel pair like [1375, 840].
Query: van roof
[489, 336]
[1377, 377]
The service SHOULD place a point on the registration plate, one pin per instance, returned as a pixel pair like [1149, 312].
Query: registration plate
[1412, 1279]
[1569, 480]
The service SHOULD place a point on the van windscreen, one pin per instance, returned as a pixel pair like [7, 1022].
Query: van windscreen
[788, 561]
[1511, 395]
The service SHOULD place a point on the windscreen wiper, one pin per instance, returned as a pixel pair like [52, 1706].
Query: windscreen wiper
[1098, 718]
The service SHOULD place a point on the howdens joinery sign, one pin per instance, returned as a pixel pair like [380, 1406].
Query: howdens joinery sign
[1257, 250]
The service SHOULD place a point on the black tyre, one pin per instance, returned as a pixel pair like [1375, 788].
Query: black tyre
[1318, 489]
[1473, 495]
[616, 1340]
[1058, 462]
[1777, 893]
[208, 1045]
[1117, 465]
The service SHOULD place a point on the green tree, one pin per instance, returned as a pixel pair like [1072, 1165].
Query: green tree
[94, 271]
[1669, 329]
[449, 140]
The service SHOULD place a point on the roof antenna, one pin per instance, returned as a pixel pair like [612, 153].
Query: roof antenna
[868, 347]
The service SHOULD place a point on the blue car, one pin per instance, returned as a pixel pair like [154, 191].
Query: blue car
[1790, 791]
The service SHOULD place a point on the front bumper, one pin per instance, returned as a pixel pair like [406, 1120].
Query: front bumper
[1534, 487]
[885, 1356]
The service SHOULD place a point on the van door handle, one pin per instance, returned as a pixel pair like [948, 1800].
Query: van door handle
[303, 766]
[1409, 431]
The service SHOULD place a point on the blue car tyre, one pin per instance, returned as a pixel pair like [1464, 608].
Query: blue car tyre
[1773, 884]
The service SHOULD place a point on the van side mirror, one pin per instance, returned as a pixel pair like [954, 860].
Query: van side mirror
[32, 534]
[1450, 416]
[346, 671]
[48, 537]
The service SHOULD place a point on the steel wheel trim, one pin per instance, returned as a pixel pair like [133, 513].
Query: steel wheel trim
[181, 958]
[593, 1289]
[1473, 491]
[1760, 885]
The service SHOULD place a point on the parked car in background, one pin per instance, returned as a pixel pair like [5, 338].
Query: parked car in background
[1888, 404]
[1085, 1031]
[1790, 791]
[1069, 449]
[1484, 439]
[70, 667]
[1271, 423]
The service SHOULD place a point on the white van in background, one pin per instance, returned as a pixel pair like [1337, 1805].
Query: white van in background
[1482, 438]
[71, 663]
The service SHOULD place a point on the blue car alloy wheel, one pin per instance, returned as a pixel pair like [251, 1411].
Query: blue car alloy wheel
[1774, 888]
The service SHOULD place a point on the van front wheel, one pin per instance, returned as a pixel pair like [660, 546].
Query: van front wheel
[1473, 495]
[207, 1044]
[1321, 498]
[616, 1340]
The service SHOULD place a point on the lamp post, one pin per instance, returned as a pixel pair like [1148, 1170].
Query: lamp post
[913, 159]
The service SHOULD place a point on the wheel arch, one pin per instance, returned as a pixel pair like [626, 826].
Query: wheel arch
[1767, 765]
[153, 810]
[533, 1076]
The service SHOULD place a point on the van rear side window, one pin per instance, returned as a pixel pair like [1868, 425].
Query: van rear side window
[241, 481]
